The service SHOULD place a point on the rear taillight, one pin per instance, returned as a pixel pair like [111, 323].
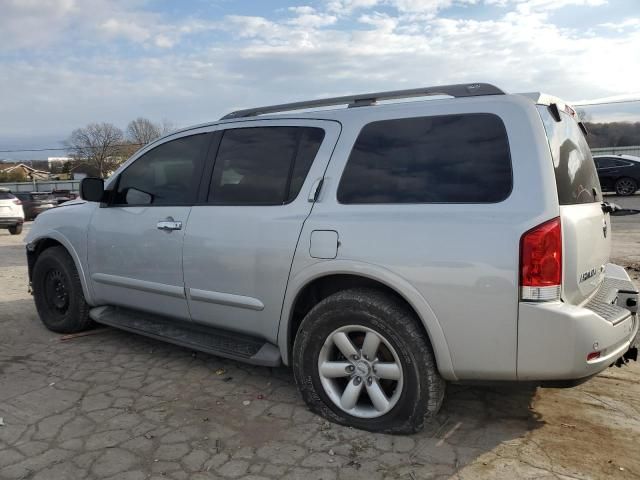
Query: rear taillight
[17, 202]
[541, 262]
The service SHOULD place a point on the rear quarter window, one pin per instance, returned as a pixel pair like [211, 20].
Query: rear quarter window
[6, 196]
[576, 176]
[437, 159]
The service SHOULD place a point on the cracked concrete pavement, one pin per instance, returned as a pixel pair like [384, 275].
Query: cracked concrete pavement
[113, 405]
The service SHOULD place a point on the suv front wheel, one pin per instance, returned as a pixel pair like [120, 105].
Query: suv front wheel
[58, 292]
[360, 359]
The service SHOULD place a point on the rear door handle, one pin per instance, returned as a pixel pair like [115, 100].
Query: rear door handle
[169, 224]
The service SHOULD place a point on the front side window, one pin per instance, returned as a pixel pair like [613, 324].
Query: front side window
[438, 159]
[167, 175]
[576, 176]
[263, 165]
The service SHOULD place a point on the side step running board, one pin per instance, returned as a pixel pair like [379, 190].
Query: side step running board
[191, 335]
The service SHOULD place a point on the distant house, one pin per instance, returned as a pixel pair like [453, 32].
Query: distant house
[83, 170]
[57, 162]
[27, 172]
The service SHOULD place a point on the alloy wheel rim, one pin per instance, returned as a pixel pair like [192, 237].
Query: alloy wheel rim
[360, 371]
[625, 187]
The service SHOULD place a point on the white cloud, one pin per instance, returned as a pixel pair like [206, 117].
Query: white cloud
[346, 7]
[421, 6]
[43, 24]
[527, 6]
[304, 53]
[31, 23]
[127, 29]
[309, 18]
[623, 25]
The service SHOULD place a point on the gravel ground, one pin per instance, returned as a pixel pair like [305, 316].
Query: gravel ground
[119, 406]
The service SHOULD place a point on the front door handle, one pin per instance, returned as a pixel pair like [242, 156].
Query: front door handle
[169, 224]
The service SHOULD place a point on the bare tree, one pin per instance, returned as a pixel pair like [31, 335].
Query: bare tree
[98, 144]
[583, 115]
[168, 126]
[142, 131]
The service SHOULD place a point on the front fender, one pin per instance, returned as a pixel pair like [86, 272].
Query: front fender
[67, 226]
[398, 284]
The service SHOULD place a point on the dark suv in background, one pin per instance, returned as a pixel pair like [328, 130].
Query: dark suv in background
[35, 203]
[62, 196]
[618, 173]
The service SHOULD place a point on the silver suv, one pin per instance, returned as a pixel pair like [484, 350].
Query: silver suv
[380, 250]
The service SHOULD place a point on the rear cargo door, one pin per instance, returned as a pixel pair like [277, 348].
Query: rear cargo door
[586, 229]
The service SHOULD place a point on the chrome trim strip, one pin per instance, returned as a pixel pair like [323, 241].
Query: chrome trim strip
[229, 299]
[142, 285]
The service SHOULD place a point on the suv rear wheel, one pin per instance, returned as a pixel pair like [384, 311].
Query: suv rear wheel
[58, 292]
[15, 229]
[361, 360]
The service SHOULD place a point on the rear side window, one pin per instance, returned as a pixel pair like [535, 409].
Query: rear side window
[439, 159]
[576, 176]
[622, 163]
[263, 165]
[604, 162]
[6, 196]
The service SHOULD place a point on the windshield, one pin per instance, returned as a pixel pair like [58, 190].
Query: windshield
[576, 176]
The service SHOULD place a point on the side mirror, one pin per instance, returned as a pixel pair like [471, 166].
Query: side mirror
[92, 189]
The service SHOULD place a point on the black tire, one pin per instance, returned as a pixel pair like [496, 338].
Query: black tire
[423, 387]
[58, 292]
[626, 186]
[15, 229]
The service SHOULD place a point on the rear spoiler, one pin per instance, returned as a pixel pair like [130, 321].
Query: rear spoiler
[556, 105]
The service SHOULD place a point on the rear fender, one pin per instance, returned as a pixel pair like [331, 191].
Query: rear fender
[373, 272]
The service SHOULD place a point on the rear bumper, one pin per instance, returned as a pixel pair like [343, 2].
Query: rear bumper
[11, 221]
[555, 338]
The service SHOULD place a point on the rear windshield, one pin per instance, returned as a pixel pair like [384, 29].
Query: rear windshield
[6, 196]
[576, 176]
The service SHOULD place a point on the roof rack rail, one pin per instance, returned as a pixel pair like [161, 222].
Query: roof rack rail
[365, 99]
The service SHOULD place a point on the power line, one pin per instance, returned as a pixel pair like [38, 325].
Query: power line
[606, 103]
[69, 148]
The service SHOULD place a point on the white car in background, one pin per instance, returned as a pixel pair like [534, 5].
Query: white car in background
[11, 213]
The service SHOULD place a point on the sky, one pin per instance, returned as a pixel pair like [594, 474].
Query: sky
[66, 63]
